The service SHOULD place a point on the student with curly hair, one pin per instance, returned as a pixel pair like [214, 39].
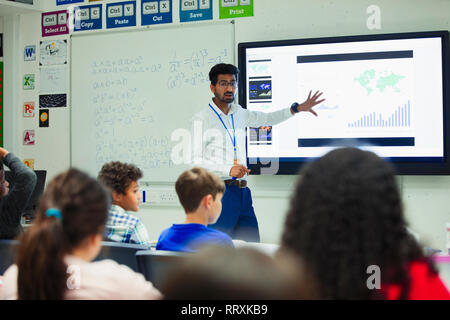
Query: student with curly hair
[122, 179]
[54, 256]
[345, 216]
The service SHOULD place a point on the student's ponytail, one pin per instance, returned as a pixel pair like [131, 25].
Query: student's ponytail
[73, 207]
[42, 271]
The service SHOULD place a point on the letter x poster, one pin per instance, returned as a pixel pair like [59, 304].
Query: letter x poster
[1, 104]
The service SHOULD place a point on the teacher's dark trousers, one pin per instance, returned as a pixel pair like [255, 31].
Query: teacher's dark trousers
[238, 218]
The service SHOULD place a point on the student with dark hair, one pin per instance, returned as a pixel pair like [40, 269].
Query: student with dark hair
[122, 179]
[200, 194]
[54, 256]
[222, 147]
[346, 222]
[13, 202]
[238, 274]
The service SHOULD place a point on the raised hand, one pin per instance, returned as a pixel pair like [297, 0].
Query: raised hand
[3, 153]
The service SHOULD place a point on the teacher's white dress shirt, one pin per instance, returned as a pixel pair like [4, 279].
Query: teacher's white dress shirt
[212, 146]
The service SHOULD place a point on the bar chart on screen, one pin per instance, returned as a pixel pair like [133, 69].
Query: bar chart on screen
[401, 118]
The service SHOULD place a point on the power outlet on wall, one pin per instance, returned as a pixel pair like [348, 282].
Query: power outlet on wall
[158, 197]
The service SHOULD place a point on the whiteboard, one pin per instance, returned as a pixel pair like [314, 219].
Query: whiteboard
[131, 90]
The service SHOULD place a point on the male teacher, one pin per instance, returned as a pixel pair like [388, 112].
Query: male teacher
[221, 148]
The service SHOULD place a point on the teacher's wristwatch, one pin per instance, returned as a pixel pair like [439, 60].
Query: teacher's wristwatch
[294, 107]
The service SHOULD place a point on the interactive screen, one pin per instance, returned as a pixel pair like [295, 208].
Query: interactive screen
[384, 93]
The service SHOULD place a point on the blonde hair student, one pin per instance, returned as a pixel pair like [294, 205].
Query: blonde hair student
[54, 256]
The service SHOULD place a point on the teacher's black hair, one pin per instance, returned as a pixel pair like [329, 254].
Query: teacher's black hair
[222, 68]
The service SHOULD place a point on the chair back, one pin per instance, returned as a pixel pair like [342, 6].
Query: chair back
[155, 265]
[122, 253]
[8, 249]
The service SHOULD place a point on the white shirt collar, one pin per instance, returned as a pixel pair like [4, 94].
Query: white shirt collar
[232, 108]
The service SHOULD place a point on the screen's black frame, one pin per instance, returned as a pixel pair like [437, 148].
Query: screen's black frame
[403, 166]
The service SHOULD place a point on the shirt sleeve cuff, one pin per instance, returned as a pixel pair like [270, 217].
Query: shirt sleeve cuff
[8, 159]
[228, 169]
[289, 113]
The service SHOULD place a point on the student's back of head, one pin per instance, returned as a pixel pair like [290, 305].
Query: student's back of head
[194, 184]
[73, 207]
[200, 193]
[220, 273]
[346, 215]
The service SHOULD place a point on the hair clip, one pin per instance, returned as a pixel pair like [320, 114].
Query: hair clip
[53, 212]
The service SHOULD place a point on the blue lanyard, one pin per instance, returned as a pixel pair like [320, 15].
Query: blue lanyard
[233, 139]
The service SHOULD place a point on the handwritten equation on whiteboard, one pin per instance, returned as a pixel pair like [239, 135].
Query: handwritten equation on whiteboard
[127, 95]
[180, 70]
[188, 70]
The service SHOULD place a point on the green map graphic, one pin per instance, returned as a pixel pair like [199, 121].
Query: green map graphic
[369, 80]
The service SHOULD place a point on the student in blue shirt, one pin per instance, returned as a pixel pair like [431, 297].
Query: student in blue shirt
[200, 193]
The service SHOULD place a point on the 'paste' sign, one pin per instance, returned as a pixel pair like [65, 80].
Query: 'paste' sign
[55, 23]
[121, 14]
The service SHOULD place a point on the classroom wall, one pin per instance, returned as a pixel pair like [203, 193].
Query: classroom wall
[425, 198]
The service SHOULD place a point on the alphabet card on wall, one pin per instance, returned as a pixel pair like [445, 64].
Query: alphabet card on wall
[87, 18]
[29, 138]
[195, 10]
[55, 23]
[121, 14]
[156, 12]
[28, 82]
[29, 53]
[28, 109]
[235, 8]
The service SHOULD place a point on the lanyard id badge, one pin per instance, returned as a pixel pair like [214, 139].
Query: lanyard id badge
[233, 139]
[235, 160]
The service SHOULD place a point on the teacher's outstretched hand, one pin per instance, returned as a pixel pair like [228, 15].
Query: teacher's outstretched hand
[310, 103]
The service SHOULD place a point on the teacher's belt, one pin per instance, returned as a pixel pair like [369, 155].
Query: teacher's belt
[238, 183]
